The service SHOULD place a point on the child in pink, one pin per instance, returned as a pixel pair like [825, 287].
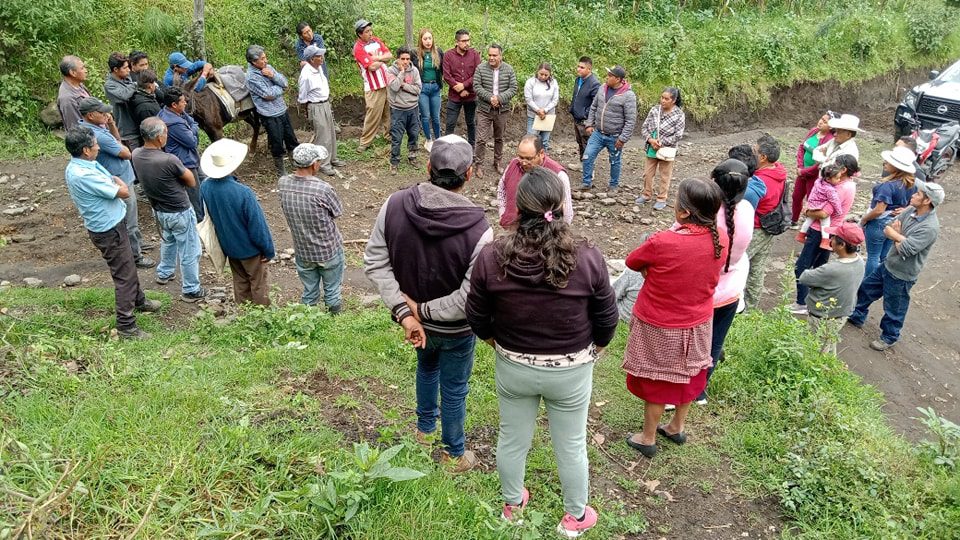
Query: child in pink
[824, 193]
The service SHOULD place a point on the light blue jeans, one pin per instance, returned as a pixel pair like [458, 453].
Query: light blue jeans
[430, 110]
[544, 135]
[595, 144]
[179, 239]
[312, 274]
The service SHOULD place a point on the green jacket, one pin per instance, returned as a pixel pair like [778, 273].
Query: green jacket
[483, 86]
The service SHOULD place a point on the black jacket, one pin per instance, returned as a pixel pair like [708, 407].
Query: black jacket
[580, 104]
[143, 105]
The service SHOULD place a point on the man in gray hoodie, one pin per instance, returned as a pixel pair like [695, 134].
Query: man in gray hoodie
[420, 256]
[610, 124]
[403, 94]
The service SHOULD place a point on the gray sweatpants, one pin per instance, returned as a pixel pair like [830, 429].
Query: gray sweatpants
[324, 129]
[566, 395]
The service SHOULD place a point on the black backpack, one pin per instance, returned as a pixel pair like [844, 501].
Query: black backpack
[777, 220]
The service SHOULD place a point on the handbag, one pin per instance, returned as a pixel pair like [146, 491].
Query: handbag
[664, 153]
[211, 244]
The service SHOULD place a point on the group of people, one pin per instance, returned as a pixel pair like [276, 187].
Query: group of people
[539, 293]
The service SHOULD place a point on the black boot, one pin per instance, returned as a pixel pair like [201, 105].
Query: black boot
[278, 163]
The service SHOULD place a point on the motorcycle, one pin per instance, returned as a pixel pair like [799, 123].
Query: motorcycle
[937, 148]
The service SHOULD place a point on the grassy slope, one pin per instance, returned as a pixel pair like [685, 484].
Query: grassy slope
[213, 428]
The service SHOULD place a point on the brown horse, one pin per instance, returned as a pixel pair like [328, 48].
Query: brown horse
[206, 109]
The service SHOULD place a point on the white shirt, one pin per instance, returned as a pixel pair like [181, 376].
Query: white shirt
[826, 154]
[313, 85]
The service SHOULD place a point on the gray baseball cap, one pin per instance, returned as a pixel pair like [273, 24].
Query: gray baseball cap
[91, 104]
[312, 51]
[360, 25]
[452, 153]
[933, 191]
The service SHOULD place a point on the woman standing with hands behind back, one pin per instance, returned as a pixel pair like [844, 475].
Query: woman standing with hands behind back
[662, 131]
[541, 296]
[668, 352]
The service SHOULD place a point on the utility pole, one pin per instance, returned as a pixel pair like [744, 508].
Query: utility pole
[407, 21]
[198, 28]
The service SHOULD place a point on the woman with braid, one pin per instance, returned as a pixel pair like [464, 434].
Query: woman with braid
[541, 296]
[668, 352]
[735, 221]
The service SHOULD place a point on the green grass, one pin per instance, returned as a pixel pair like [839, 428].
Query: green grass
[241, 429]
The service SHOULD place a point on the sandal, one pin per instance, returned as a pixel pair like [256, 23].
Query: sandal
[648, 450]
[676, 438]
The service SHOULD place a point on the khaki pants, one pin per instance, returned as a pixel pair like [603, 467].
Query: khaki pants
[666, 173]
[376, 117]
[489, 120]
[758, 251]
[250, 281]
[324, 129]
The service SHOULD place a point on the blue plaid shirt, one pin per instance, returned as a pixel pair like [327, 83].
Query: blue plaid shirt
[261, 87]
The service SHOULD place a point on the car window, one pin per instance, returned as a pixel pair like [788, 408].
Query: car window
[952, 74]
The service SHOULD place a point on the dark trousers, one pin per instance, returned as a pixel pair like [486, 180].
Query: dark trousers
[279, 133]
[114, 245]
[403, 121]
[801, 190]
[495, 121]
[193, 193]
[580, 131]
[722, 321]
[811, 256]
[469, 117]
[250, 280]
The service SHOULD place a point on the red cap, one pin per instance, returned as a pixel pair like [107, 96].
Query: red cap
[849, 232]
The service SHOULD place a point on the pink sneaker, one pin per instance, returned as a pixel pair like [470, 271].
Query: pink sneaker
[571, 528]
[509, 509]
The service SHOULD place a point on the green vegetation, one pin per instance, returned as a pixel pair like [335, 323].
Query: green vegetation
[718, 53]
[291, 423]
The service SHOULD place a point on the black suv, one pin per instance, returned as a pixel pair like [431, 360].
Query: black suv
[931, 103]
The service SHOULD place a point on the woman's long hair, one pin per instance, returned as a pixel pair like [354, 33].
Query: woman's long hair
[541, 229]
[731, 177]
[905, 178]
[675, 93]
[549, 69]
[421, 51]
[702, 199]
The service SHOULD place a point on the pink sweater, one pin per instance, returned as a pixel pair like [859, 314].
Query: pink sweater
[847, 190]
[732, 282]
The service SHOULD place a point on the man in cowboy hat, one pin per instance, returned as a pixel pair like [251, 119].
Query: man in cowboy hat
[845, 128]
[239, 221]
[913, 234]
[311, 206]
[315, 94]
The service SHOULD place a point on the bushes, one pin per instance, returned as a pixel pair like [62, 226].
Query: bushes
[929, 24]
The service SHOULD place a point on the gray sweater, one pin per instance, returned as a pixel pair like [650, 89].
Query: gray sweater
[483, 86]
[119, 93]
[616, 117]
[833, 287]
[906, 261]
[403, 87]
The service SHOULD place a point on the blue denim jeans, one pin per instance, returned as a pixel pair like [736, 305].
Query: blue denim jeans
[595, 143]
[179, 239]
[878, 245]
[312, 274]
[444, 367]
[722, 321]
[544, 135]
[896, 300]
[430, 110]
[403, 122]
[811, 256]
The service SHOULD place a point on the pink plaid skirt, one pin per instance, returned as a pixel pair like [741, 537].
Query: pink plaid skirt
[672, 355]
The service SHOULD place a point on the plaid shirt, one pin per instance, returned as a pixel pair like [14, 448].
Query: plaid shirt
[672, 125]
[310, 206]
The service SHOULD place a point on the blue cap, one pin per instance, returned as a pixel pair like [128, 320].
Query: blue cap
[178, 59]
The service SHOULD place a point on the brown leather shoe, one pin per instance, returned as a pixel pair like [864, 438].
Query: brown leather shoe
[499, 168]
[424, 439]
[478, 171]
[457, 465]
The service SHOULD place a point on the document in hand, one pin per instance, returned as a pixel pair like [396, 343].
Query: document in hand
[546, 124]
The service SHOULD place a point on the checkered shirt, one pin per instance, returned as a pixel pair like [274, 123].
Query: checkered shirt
[310, 206]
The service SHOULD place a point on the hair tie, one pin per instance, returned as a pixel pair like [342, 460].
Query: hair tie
[548, 215]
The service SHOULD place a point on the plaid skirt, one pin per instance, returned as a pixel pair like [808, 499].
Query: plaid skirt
[672, 355]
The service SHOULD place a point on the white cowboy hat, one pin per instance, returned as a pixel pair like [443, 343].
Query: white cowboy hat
[222, 158]
[900, 157]
[848, 122]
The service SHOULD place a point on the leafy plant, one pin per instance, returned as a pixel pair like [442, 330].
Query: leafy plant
[929, 24]
[946, 448]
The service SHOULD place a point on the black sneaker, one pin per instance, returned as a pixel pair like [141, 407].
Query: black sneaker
[145, 262]
[165, 280]
[149, 306]
[195, 296]
[132, 333]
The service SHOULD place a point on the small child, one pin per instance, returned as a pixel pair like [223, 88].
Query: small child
[824, 192]
[833, 286]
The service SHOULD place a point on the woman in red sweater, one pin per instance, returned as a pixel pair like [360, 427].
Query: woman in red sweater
[668, 351]
[808, 170]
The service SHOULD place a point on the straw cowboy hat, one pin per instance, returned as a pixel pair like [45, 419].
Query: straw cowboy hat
[222, 158]
[848, 122]
[900, 157]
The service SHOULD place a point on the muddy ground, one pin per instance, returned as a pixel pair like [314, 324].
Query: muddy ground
[48, 242]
